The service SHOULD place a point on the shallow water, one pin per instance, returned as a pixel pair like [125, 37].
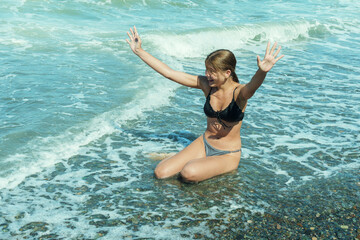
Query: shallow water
[80, 113]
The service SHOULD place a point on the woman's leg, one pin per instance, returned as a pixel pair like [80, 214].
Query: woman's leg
[173, 165]
[207, 167]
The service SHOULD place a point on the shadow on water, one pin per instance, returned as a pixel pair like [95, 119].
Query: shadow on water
[180, 136]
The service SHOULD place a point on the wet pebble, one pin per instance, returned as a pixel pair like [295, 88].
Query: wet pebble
[35, 226]
[81, 190]
[4, 227]
[102, 233]
[109, 179]
[49, 236]
[98, 216]
[20, 216]
[198, 236]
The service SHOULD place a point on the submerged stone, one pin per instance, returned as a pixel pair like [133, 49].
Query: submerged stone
[35, 226]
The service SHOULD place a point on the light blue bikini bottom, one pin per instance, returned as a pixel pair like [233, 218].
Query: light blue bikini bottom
[211, 151]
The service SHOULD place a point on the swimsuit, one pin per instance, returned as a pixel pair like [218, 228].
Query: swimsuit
[211, 151]
[232, 113]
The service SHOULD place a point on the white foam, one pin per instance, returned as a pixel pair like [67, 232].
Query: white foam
[336, 169]
[290, 181]
[24, 44]
[42, 153]
[96, 2]
[202, 42]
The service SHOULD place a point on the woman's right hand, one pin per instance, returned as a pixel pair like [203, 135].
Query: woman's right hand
[185, 79]
[135, 40]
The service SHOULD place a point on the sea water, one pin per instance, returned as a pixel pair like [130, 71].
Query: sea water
[79, 114]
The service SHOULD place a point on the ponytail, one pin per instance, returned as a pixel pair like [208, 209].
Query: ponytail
[234, 77]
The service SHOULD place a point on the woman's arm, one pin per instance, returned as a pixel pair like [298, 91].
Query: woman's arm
[264, 66]
[160, 67]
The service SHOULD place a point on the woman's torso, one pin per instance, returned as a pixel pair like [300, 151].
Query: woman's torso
[222, 134]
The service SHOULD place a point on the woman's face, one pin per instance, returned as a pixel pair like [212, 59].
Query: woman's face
[215, 78]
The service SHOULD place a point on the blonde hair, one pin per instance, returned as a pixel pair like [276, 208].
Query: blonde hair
[222, 60]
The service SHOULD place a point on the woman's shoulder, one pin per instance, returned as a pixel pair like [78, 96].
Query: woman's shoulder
[238, 88]
[239, 85]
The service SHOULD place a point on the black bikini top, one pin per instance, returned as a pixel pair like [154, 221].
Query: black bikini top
[232, 113]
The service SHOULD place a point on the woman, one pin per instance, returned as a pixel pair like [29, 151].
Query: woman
[218, 150]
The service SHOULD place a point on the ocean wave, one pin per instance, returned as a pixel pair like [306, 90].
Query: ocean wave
[148, 3]
[202, 41]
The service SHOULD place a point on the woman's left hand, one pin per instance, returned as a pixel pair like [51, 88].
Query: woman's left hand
[270, 58]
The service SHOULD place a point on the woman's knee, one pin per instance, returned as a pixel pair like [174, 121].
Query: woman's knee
[189, 174]
[161, 172]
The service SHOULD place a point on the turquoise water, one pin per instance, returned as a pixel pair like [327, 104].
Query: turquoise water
[80, 113]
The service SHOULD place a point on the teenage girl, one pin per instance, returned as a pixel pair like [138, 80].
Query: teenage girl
[218, 150]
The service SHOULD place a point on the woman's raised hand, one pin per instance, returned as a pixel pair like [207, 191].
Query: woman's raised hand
[270, 58]
[135, 40]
